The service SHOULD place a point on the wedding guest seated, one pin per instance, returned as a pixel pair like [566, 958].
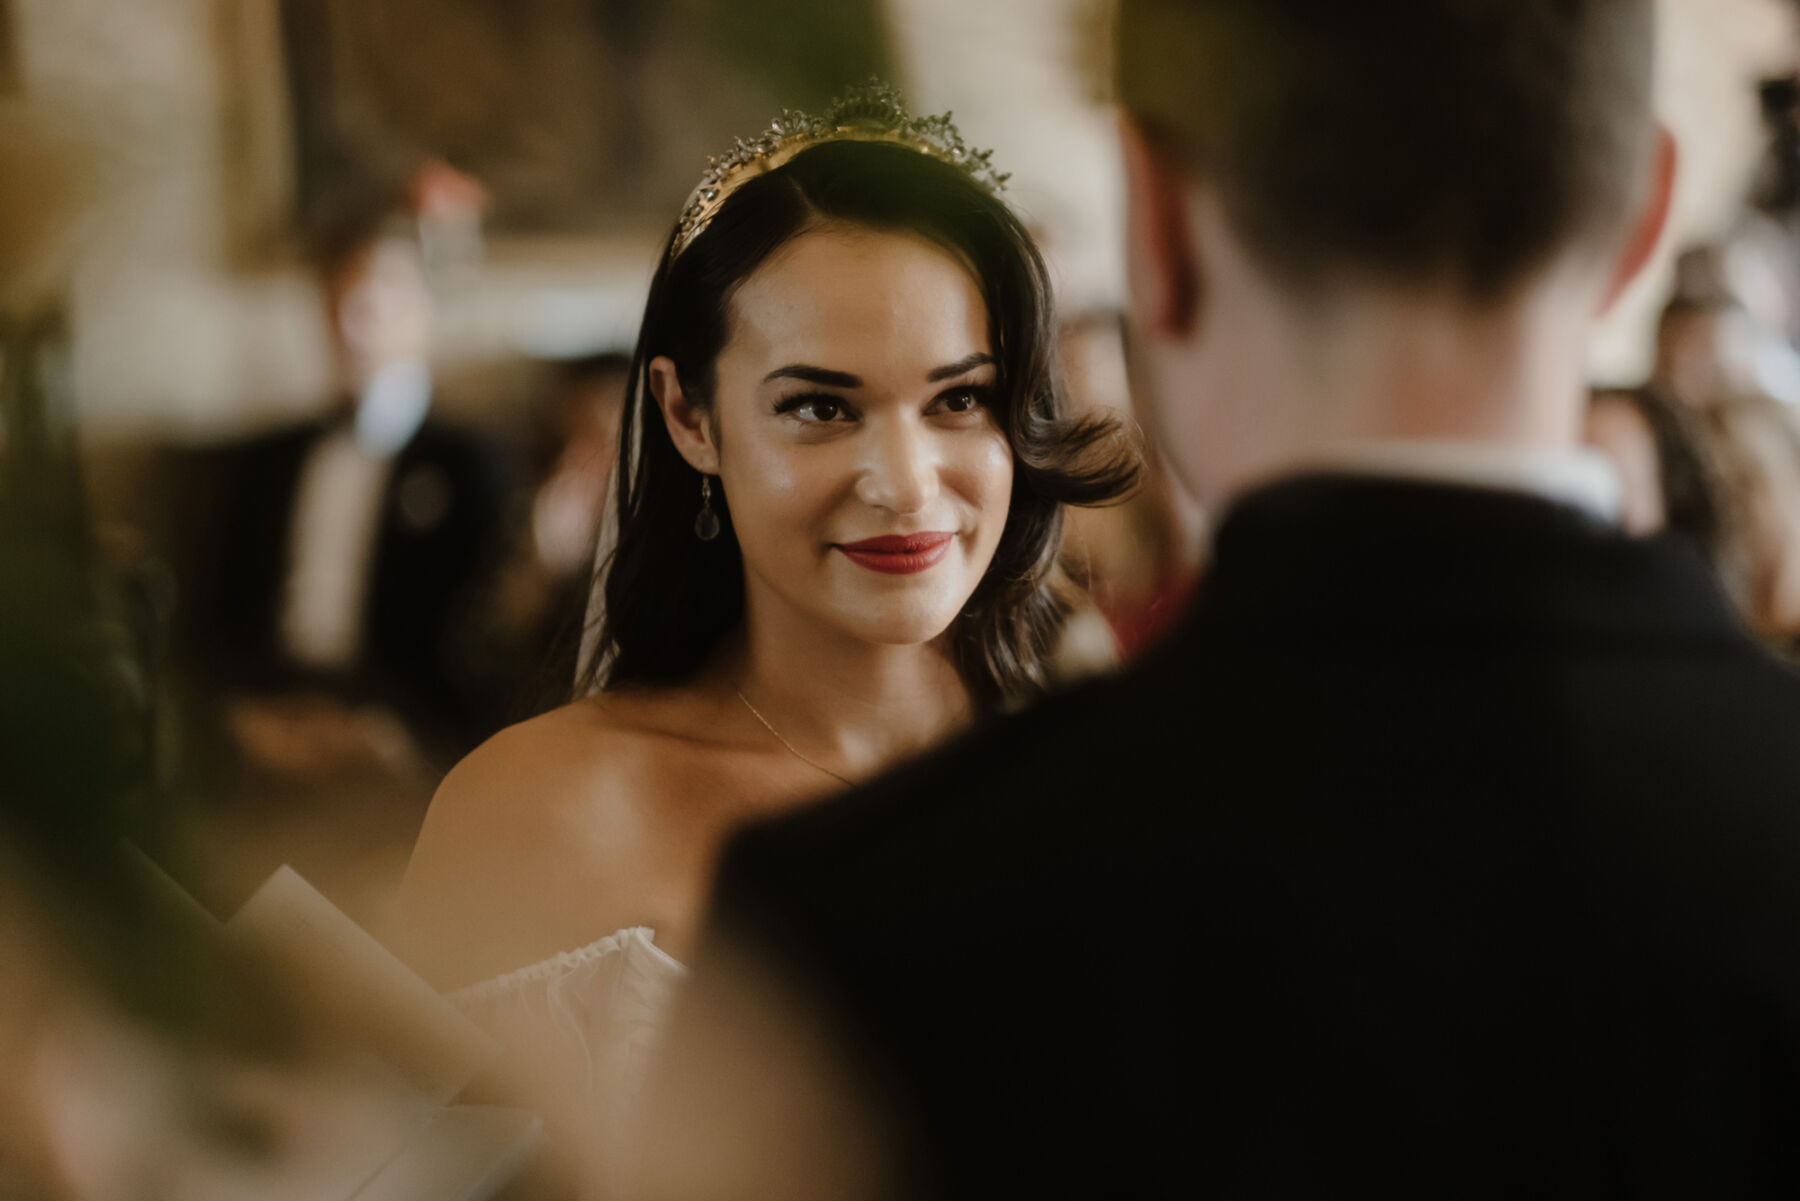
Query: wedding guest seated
[337, 555]
[1706, 350]
[1670, 473]
[1757, 441]
[1708, 381]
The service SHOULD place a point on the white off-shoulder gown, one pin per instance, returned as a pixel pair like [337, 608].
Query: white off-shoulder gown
[577, 1034]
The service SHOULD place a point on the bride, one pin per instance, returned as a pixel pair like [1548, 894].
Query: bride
[838, 514]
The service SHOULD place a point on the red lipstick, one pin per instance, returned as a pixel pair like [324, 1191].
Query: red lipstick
[898, 554]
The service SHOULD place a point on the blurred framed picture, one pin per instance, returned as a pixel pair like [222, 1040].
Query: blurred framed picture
[576, 116]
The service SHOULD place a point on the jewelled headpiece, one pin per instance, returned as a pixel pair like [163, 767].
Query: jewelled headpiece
[871, 113]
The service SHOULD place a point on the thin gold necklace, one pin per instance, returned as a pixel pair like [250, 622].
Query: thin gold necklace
[792, 749]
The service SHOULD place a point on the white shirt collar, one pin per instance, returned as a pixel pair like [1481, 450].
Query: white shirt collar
[1580, 478]
[393, 407]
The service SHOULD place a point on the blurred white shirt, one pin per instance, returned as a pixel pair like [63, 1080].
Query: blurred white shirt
[337, 518]
[1580, 478]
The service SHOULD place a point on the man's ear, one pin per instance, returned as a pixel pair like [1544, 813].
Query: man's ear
[1652, 218]
[689, 426]
[1165, 269]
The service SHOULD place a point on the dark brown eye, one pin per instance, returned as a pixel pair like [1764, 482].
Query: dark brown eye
[963, 400]
[812, 408]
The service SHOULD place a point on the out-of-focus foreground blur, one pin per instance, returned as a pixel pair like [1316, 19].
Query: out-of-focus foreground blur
[313, 317]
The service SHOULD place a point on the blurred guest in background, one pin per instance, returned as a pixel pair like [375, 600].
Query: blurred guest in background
[1138, 558]
[1723, 331]
[1760, 257]
[1716, 392]
[1706, 348]
[1671, 474]
[524, 644]
[1757, 441]
[1621, 429]
[845, 453]
[1450, 847]
[340, 552]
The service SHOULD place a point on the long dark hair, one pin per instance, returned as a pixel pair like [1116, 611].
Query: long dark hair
[670, 597]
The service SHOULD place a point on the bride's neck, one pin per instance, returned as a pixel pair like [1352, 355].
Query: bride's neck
[866, 704]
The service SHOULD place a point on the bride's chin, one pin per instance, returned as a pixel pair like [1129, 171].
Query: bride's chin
[905, 628]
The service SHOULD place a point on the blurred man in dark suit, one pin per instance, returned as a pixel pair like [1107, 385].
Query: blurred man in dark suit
[341, 552]
[1452, 848]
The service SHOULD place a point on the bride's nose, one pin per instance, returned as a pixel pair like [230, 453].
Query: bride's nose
[899, 471]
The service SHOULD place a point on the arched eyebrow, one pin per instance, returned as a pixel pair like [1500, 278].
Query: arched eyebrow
[960, 367]
[815, 375]
[825, 377]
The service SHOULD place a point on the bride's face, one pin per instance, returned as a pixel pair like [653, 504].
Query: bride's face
[867, 478]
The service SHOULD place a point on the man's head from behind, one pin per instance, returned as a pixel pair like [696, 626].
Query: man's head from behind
[1453, 149]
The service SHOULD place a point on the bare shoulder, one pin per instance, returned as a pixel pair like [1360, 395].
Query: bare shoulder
[537, 765]
[532, 841]
[526, 779]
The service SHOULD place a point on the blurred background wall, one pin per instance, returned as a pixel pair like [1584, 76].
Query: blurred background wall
[193, 316]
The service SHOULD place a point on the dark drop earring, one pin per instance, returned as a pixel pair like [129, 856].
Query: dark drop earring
[706, 525]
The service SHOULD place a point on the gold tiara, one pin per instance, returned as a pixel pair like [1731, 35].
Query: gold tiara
[871, 113]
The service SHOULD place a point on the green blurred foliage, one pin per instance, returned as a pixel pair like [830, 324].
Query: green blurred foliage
[82, 797]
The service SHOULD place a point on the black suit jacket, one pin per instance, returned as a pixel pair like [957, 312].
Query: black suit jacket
[1451, 849]
[442, 517]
